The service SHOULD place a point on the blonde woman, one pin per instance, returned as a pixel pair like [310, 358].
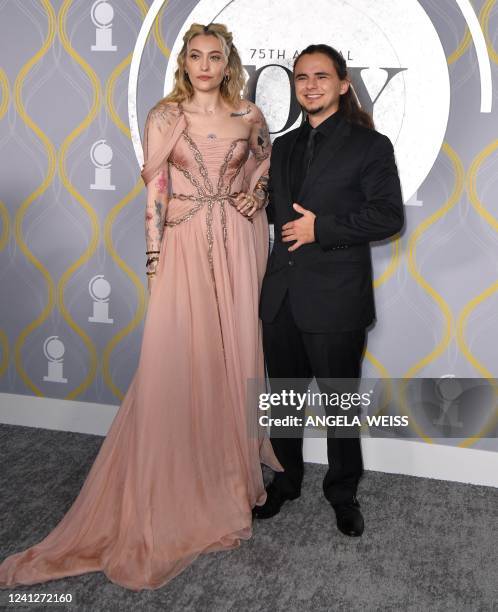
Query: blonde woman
[179, 471]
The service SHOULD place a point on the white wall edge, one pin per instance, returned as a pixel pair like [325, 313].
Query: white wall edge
[57, 414]
[414, 458]
[391, 456]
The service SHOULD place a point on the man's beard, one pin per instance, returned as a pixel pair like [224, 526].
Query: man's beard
[313, 111]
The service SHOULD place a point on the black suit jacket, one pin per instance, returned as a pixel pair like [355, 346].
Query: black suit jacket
[353, 188]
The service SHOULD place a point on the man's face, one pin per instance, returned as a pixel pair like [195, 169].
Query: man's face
[318, 87]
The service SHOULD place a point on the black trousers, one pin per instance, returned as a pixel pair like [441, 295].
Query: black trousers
[291, 353]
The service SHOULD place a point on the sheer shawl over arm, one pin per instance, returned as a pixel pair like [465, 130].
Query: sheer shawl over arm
[162, 128]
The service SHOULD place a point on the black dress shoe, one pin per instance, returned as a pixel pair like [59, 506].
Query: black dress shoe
[274, 501]
[349, 518]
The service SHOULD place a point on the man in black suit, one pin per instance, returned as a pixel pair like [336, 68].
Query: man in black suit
[334, 188]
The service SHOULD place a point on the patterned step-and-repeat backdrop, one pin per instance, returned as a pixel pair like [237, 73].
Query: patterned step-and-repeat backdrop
[77, 79]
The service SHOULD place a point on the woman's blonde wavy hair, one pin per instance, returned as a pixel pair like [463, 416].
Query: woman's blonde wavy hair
[231, 88]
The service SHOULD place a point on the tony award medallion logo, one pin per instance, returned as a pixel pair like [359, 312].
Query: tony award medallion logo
[448, 390]
[102, 15]
[101, 156]
[100, 290]
[392, 50]
[380, 41]
[53, 349]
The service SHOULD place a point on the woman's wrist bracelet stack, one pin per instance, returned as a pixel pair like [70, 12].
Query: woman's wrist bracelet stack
[151, 260]
[260, 193]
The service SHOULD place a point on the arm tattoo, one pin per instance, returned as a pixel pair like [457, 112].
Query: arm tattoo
[154, 225]
[161, 182]
[164, 112]
[263, 143]
[159, 208]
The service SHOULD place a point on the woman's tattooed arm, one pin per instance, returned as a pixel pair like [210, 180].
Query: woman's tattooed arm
[155, 175]
[259, 139]
[155, 212]
[260, 144]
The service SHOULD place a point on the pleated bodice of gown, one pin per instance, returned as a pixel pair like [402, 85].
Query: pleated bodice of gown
[179, 471]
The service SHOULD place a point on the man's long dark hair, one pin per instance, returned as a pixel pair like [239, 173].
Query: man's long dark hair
[348, 103]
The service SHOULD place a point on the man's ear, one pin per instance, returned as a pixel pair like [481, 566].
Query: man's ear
[344, 87]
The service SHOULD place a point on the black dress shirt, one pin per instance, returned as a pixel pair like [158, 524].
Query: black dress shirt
[297, 165]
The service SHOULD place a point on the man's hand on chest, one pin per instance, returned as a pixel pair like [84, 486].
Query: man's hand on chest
[302, 230]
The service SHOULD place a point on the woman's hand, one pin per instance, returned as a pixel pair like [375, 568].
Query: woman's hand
[246, 204]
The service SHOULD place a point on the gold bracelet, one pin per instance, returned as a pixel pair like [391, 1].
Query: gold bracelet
[262, 186]
[151, 260]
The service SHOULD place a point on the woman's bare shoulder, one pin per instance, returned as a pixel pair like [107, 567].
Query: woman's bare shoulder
[164, 111]
[250, 112]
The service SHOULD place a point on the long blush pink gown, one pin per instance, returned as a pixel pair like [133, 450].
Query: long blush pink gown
[179, 471]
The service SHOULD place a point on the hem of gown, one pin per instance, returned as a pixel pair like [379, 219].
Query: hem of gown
[232, 539]
[226, 541]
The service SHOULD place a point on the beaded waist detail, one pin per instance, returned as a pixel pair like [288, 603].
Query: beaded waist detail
[200, 202]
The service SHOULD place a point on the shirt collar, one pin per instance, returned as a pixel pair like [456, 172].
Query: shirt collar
[326, 127]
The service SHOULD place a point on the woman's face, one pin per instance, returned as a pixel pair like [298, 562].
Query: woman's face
[205, 62]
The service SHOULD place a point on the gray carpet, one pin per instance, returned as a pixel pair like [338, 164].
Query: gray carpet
[428, 544]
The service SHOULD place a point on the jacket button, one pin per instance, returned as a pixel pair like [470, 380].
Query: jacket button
[291, 262]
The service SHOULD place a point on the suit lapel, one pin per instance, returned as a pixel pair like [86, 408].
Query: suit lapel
[325, 155]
